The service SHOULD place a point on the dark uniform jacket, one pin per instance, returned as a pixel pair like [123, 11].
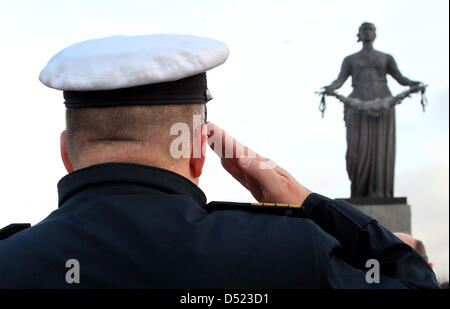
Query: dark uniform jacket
[135, 226]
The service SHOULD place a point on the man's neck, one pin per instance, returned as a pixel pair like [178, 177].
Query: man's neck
[180, 168]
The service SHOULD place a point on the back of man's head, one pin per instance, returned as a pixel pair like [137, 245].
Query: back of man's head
[133, 134]
[126, 96]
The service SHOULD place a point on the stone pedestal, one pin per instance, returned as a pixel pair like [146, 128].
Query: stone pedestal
[392, 213]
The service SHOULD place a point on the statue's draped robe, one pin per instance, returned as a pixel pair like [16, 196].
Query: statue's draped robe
[370, 139]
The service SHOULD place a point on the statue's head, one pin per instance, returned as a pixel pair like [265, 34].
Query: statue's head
[367, 32]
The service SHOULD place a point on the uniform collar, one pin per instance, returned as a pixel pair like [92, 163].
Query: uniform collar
[113, 173]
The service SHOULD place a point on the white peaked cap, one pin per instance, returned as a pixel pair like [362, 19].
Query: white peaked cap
[127, 61]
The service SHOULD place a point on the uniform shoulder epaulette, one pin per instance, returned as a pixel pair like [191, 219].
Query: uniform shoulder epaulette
[12, 229]
[275, 208]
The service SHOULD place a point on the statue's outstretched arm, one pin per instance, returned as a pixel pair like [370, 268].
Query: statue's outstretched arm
[343, 75]
[393, 70]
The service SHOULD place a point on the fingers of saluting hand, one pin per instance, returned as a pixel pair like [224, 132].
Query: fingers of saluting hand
[261, 176]
[224, 145]
[234, 155]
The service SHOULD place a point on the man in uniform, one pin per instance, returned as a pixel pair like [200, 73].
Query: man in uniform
[130, 211]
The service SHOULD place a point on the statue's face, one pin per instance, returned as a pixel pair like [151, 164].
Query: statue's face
[368, 33]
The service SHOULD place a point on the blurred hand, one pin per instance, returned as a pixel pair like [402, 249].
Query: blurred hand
[265, 180]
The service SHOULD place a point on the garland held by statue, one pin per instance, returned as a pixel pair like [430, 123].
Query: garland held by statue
[373, 107]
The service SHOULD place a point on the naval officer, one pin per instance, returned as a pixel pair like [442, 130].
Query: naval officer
[130, 211]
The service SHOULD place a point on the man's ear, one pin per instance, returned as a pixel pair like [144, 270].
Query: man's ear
[196, 162]
[64, 155]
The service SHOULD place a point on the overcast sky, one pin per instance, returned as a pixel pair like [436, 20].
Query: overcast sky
[281, 52]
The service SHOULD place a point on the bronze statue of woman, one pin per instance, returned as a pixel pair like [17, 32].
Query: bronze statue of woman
[370, 139]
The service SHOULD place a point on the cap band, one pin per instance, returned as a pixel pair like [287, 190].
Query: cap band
[189, 90]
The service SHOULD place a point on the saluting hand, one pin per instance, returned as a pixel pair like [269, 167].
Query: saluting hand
[265, 180]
